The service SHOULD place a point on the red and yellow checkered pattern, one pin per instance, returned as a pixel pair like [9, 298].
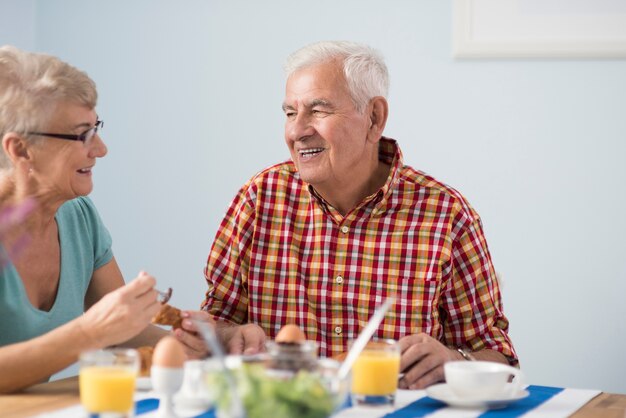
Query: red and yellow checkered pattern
[284, 255]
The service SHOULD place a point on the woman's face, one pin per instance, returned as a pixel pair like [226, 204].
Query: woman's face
[62, 168]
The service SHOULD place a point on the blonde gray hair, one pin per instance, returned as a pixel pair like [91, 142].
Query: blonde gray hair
[31, 85]
[363, 67]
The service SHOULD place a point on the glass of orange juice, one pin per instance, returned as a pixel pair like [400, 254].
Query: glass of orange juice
[107, 381]
[375, 374]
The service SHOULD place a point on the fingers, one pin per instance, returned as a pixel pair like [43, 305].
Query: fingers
[412, 350]
[421, 361]
[194, 346]
[141, 284]
[135, 303]
[407, 341]
[191, 316]
[245, 339]
[234, 345]
[124, 312]
[418, 379]
[253, 339]
[421, 373]
[143, 293]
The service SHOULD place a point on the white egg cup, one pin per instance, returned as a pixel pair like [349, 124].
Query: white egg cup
[166, 381]
[194, 393]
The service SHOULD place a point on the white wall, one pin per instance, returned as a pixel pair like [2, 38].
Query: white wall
[191, 94]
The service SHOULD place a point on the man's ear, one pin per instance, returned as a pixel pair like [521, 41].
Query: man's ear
[378, 110]
[16, 148]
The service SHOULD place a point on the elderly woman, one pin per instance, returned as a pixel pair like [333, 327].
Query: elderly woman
[63, 292]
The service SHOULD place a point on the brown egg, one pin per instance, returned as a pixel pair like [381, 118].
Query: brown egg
[290, 334]
[169, 353]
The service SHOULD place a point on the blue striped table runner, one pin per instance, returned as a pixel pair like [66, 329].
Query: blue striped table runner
[419, 408]
[425, 406]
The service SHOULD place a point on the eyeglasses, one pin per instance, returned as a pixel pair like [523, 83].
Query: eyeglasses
[84, 137]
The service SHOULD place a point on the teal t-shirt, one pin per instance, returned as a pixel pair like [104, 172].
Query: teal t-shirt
[85, 247]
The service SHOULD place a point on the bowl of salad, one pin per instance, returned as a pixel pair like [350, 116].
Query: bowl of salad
[286, 382]
[260, 392]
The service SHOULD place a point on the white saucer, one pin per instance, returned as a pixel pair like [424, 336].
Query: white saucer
[143, 383]
[443, 393]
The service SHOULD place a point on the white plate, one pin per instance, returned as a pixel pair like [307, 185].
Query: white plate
[143, 383]
[443, 393]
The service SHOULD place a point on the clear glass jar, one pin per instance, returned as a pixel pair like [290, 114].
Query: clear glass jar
[292, 356]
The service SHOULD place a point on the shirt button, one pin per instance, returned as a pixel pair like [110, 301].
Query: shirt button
[338, 330]
[345, 229]
[339, 279]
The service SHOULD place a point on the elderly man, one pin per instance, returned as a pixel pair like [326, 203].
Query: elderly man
[321, 240]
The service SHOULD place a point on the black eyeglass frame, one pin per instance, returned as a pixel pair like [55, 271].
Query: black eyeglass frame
[80, 137]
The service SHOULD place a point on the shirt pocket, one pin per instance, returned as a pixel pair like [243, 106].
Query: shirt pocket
[416, 310]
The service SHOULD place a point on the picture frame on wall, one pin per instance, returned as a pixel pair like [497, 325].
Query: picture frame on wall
[539, 29]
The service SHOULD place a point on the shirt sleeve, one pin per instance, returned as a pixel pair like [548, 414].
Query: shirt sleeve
[228, 261]
[472, 300]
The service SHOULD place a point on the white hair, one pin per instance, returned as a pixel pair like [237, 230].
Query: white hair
[363, 67]
[31, 86]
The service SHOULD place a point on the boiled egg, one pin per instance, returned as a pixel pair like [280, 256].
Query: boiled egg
[169, 353]
[290, 334]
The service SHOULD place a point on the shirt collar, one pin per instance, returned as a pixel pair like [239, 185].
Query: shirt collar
[389, 152]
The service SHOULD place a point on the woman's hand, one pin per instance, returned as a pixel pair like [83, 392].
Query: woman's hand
[122, 313]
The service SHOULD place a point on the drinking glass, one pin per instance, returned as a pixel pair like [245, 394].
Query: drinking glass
[107, 381]
[375, 374]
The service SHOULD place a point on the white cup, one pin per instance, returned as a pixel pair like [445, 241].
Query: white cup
[482, 379]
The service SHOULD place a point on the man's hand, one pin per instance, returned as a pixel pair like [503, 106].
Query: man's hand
[188, 335]
[244, 339]
[422, 359]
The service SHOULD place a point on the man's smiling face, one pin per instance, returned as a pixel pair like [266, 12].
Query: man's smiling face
[325, 134]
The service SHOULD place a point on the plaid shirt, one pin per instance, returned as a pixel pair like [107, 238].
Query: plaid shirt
[284, 255]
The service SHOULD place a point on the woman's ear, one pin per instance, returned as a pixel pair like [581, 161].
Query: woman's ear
[378, 111]
[16, 148]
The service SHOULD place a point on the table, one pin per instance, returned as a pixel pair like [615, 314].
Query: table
[47, 397]
[40, 398]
